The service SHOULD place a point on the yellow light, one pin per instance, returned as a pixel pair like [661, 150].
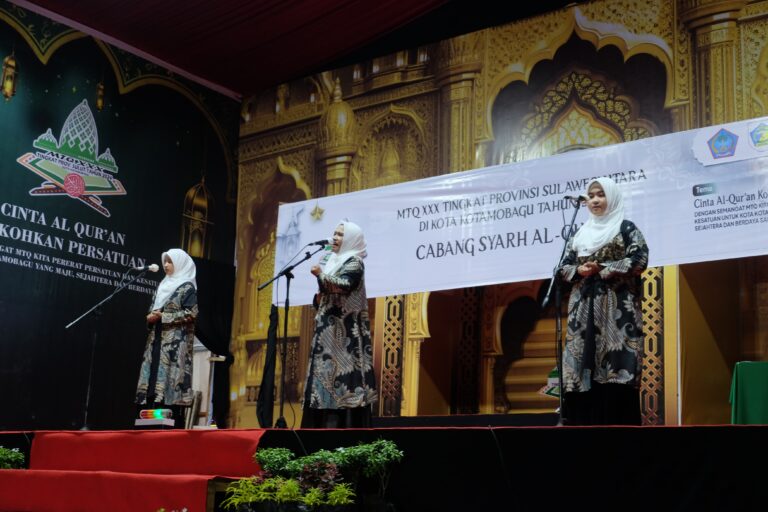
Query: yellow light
[99, 96]
[9, 76]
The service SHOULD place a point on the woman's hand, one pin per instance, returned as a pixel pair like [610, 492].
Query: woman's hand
[588, 269]
[316, 270]
[154, 317]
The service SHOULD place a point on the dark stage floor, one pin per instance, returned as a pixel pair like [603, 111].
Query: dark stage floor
[550, 468]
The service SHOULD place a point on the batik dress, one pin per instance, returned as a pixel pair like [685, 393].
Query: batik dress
[340, 373]
[166, 372]
[604, 339]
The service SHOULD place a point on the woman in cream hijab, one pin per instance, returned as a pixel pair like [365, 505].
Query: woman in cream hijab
[340, 385]
[165, 379]
[602, 360]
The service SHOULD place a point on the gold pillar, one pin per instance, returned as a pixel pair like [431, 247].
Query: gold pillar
[416, 329]
[460, 63]
[388, 337]
[716, 34]
[671, 345]
[336, 144]
[490, 349]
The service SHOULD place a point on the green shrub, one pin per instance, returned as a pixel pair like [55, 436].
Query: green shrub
[288, 491]
[313, 497]
[11, 458]
[316, 479]
[341, 494]
[274, 460]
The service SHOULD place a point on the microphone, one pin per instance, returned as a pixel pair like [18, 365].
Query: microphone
[324, 241]
[578, 199]
[151, 268]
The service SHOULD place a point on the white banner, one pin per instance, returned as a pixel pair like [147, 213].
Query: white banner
[698, 195]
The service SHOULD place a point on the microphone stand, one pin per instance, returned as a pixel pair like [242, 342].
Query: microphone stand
[554, 286]
[94, 339]
[281, 423]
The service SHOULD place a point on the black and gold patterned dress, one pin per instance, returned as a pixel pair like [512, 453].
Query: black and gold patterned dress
[165, 377]
[604, 339]
[340, 373]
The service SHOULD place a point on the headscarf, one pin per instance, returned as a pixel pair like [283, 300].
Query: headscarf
[600, 230]
[184, 271]
[353, 244]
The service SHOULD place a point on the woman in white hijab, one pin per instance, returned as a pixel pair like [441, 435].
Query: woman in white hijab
[165, 379]
[340, 386]
[602, 360]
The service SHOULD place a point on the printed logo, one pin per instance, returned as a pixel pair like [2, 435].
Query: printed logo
[288, 240]
[758, 136]
[72, 165]
[723, 144]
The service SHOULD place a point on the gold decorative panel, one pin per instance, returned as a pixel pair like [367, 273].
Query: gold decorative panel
[577, 128]
[278, 141]
[580, 110]
[397, 143]
[754, 65]
[390, 393]
[612, 109]
[417, 323]
[633, 26]
[393, 151]
[652, 382]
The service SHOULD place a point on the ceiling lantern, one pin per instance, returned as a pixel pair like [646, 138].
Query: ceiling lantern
[196, 224]
[100, 96]
[10, 73]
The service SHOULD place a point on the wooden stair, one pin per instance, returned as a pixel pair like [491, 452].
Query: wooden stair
[528, 375]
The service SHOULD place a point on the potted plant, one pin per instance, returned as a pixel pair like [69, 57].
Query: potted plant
[262, 494]
[374, 461]
[11, 458]
[323, 481]
[279, 494]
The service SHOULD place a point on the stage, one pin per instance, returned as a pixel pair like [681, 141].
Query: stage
[444, 468]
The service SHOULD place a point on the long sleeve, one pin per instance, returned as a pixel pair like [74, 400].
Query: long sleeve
[569, 264]
[635, 259]
[344, 281]
[182, 308]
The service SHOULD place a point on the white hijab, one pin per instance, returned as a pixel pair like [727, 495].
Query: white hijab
[184, 271]
[600, 230]
[353, 244]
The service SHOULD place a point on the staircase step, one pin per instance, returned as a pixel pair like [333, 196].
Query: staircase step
[531, 400]
[549, 410]
[517, 383]
[543, 336]
[532, 366]
[539, 348]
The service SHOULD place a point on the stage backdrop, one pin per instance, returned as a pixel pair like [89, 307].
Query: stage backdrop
[698, 195]
[105, 162]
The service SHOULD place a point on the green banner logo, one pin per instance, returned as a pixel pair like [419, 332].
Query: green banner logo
[72, 164]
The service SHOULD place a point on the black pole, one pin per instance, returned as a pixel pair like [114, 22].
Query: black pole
[554, 285]
[559, 348]
[94, 342]
[96, 310]
[281, 423]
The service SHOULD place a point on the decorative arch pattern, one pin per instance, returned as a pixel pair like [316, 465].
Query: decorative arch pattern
[393, 150]
[552, 31]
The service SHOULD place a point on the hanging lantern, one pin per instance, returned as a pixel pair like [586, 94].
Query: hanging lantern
[9, 76]
[196, 228]
[99, 96]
